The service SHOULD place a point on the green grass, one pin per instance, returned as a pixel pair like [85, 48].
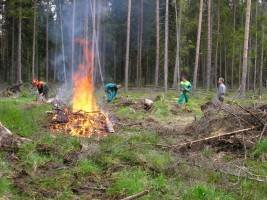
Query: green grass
[260, 149]
[30, 158]
[5, 186]
[203, 192]
[129, 113]
[128, 182]
[87, 167]
[21, 116]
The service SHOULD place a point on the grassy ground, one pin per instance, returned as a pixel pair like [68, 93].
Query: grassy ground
[55, 167]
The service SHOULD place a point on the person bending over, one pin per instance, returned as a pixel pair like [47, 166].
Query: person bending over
[111, 90]
[42, 88]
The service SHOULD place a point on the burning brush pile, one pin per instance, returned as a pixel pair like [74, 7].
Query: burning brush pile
[84, 119]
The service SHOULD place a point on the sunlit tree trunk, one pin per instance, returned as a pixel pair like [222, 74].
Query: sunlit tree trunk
[208, 77]
[157, 45]
[128, 45]
[178, 18]
[198, 44]
[166, 53]
[245, 51]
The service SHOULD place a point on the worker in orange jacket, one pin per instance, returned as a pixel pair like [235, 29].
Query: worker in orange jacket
[42, 88]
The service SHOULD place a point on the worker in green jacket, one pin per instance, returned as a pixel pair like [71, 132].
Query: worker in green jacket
[111, 90]
[186, 88]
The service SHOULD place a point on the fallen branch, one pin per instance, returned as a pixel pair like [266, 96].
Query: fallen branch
[212, 138]
[136, 196]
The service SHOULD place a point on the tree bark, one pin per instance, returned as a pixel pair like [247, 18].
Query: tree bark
[73, 36]
[13, 52]
[198, 44]
[19, 79]
[245, 51]
[176, 76]
[256, 50]
[128, 45]
[208, 77]
[262, 60]
[62, 42]
[233, 53]
[141, 43]
[166, 53]
[34, 41]
[217, 43]
[46, 43]
[157, 47]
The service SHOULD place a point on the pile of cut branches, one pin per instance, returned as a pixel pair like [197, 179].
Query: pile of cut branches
[231, 127]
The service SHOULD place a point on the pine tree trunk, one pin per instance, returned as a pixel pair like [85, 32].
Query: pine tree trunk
[208, 77]
[262, 60]
[128, 45]
[245, 51]
[225, 64]
[157, 45]
[46, 43]
[217, 43]
[34, 41]
[62, 43]
[141, 44]
[73, 36]
[176, 76]
[166, 53]
[13, 52]
[233, 53]
[256, 50]
[19, 79]
[198, 44]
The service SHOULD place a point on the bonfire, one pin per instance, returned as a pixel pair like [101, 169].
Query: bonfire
[84, 118]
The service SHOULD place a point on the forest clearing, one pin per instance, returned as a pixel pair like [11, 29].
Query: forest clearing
[136, 99]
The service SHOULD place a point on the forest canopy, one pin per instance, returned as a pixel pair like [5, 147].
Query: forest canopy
[147, 42]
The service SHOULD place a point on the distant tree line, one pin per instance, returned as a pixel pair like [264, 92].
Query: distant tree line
[137, 42]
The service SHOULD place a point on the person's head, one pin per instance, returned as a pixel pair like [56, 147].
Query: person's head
[119, 86]
[221, 80]
[35, 82]
[183, 78]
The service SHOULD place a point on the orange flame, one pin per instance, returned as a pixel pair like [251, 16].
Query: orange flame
[83, 86]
